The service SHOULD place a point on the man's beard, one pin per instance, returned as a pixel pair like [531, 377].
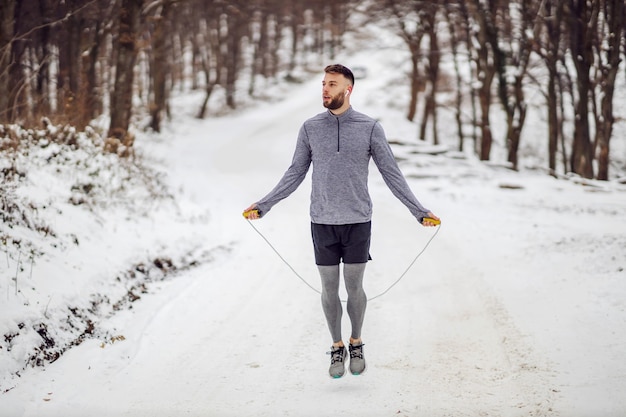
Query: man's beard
[335, 102]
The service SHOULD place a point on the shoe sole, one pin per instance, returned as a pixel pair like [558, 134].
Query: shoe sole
[338, 376]
[359, 373]
[353, 373]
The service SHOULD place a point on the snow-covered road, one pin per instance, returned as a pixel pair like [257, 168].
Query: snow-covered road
[516, 309]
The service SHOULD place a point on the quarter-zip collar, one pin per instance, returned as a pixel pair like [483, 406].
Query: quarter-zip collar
[341, 115]
[339, 118]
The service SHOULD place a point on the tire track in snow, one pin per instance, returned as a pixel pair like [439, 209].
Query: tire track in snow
[459, 352]
[490, 362]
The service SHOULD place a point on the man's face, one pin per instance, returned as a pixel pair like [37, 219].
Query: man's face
[334, 87]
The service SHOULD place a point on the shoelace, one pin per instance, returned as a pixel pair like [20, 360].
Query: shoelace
[336, 355]
[356, 351]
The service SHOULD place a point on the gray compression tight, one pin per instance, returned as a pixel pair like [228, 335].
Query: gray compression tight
[331, 303]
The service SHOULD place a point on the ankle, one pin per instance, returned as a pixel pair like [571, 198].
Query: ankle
[338, 344]
[355, 342]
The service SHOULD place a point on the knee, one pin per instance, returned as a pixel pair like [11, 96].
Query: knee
[354, 288]
[329, 292]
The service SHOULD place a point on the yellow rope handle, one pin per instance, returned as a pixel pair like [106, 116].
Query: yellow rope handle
[247, 214]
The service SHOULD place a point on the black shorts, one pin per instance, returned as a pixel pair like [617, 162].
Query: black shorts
[347, 242]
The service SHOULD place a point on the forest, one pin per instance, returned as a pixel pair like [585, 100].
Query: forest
[72, 61]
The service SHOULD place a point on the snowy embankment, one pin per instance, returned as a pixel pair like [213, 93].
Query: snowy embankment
[517, 308]
[83, 234]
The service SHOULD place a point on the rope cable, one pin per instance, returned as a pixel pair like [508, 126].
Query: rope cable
[318, 291]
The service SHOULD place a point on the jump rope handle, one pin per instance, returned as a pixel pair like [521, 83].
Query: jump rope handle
[247, 214]
[431, 220]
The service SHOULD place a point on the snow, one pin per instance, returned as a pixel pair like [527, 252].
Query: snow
[517, 307]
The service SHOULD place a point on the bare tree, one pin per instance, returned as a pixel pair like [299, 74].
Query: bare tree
[295, 17]
[429, 19]
[69, 34]
[18, 78]
[160, 65]
[265, 36]
[96, 46]
[57, 58]
[406, 19]
[582, 18]
[235, 23]
[210, 55]
[7, 19]
[512, 52]
[548, 47]
[122, 94]
[454, 20]
[485, 69]
[608, 58]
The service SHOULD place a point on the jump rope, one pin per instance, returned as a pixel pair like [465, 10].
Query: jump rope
[393, 284]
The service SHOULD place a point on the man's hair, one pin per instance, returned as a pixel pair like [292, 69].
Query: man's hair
[340, 69]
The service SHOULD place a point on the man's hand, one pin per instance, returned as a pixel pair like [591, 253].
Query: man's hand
[251, 213]
[431, 220]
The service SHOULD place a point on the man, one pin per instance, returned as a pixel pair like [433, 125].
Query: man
[339, 143]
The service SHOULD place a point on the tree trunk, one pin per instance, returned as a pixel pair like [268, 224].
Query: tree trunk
[514, 131]
[92, 97]
[580, 22]
[211, 60]
[416, 84]
[553, 135]
[42, 48]
[275, 48]
[614, 14]
[17, 105]
[565, 86]
[69, 103]
[484, 99]
[295, 20]
[259, 41]
[432, 71]
[235, 21]
[7, 19]
[457, 72]
[160, 66]
[93, 42]
[518, 56]
[122, 94]
[485, 72]
[552, 38]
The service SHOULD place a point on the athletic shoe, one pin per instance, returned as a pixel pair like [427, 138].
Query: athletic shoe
[337, 361]
[357, 361]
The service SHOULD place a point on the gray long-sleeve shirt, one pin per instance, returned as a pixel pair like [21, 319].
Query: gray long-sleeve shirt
[340, 147]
